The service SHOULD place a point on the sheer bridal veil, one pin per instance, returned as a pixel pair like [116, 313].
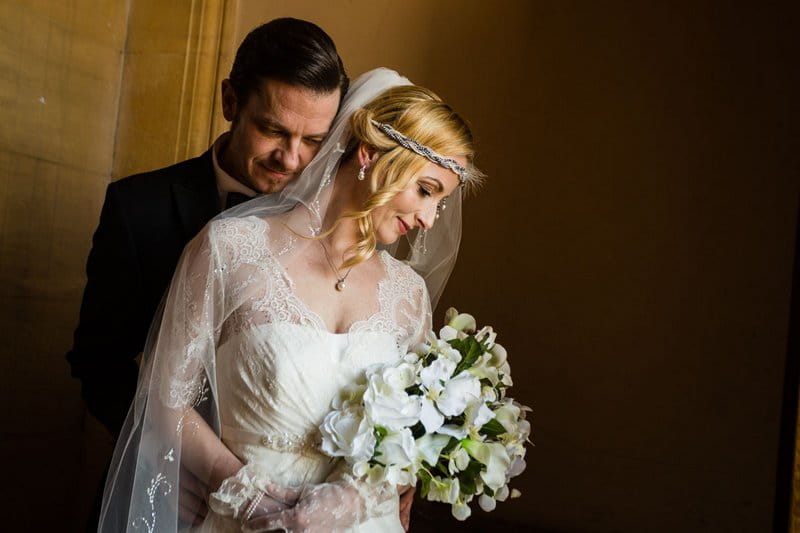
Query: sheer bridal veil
[178, 371]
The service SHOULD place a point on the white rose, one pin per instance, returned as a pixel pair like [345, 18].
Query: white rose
[386, 401]
[348, 434]
[348, 396]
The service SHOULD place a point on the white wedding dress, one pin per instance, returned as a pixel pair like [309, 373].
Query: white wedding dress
[278, 367]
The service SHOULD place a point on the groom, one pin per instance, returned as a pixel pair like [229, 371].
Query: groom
[282, 94]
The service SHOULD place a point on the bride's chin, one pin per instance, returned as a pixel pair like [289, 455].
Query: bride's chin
[386, 242]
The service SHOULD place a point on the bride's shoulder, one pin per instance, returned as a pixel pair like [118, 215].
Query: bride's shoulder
[401, 273]
[239, 237]
[237, 226]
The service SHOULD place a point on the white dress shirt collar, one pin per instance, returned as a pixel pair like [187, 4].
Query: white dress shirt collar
[225, 182]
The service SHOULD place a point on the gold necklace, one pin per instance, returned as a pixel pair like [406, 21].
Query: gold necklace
[340, 284]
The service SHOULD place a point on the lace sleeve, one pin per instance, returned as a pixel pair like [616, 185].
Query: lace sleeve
[193, 312]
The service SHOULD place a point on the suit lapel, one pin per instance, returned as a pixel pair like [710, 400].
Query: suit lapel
[195, 195]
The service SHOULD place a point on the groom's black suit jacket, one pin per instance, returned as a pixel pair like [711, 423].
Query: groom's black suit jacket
[146, 221]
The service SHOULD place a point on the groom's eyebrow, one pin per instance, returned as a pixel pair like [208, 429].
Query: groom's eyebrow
[271, 123]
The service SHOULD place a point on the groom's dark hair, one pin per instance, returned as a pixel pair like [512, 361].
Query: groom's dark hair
[290, 50]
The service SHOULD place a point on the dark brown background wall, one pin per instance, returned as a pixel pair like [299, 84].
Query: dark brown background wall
[633, 244]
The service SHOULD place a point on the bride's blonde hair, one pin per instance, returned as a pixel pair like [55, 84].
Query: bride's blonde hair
[419, 114]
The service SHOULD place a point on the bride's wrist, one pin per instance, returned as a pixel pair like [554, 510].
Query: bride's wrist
[223, 468]
[252, 506]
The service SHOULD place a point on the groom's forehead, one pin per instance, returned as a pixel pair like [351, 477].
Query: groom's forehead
[280, 95]
[292, 107]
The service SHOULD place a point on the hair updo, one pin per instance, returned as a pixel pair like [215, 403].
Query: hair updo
[420, 115]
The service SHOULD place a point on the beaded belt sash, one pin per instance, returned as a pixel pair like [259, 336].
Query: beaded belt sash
[282, 442]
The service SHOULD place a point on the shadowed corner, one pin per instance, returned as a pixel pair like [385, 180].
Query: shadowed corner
[435, 517]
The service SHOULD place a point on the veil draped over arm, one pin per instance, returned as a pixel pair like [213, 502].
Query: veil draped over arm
[174, 395]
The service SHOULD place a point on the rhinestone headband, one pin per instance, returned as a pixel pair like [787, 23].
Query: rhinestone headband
[446, 162]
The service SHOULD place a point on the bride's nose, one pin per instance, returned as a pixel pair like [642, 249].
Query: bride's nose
[426, 216]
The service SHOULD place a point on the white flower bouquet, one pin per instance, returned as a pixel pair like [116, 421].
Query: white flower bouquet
[441, 415]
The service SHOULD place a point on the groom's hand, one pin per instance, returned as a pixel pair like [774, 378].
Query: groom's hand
[406, 499]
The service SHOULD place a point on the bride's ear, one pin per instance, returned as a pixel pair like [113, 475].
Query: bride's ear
[367, 155]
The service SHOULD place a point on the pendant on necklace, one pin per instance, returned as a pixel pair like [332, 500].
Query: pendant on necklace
[340, 285]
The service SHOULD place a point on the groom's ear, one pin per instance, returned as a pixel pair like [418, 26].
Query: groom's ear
[229, 101]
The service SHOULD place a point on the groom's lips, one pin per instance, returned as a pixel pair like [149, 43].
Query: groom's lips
[277, 175]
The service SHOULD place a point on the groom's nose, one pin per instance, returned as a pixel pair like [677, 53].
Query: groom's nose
[288, 155]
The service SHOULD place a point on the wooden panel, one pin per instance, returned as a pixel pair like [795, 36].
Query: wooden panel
[60, 71]
[170, 82]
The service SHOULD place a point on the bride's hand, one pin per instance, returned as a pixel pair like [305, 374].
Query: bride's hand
[321, 508]
[262, 505]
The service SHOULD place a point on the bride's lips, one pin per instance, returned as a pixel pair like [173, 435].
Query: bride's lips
[402, 225]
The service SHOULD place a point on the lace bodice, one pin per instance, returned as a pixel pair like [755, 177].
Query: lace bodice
[258, 280]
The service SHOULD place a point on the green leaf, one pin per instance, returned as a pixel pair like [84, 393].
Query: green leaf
[414, 390]
[467, 477]
[380, 433]
[470, 350]
[456, 420]
[467, 484]
[492, 428]
[426, 482]
[451, 444]
[474, 468]
[417, 430]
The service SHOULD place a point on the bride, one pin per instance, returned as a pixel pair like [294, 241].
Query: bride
[279, 304]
